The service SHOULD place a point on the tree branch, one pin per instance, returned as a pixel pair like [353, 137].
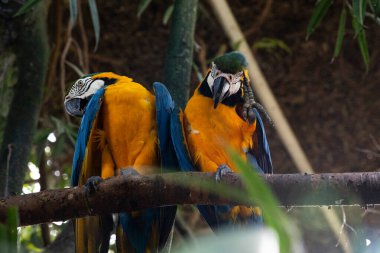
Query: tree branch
[139, 192]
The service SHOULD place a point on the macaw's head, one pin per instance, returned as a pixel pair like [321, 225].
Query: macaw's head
[83, 89]
[226, 78]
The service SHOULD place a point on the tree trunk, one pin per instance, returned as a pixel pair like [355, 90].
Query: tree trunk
[179, 56]
[31, 50]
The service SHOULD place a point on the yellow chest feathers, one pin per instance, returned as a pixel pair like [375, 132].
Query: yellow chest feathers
[210, 132]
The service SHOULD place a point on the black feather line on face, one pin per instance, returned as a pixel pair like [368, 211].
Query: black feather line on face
[233, 100]
[107, 81]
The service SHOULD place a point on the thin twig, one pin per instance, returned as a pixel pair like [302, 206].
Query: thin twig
[344, 224]
[201, 53]
[9, 156]
[62, 64]
[79, 53]
[261, 19]
[56, 51]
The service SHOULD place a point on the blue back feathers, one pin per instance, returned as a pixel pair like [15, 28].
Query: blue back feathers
[83, 134]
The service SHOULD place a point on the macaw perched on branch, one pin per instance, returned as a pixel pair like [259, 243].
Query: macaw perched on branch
[223, 114]
[124, 130]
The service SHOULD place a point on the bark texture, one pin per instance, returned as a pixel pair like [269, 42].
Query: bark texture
[179, 57]
[31, 50]
[119, 194]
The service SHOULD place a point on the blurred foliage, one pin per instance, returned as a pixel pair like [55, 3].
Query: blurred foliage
[274, 217]
[358, 10]
[256, 193]
[242, 241]
[73, 4]
[8, 232]
[272, 46]
[143, 4]
[168, 14]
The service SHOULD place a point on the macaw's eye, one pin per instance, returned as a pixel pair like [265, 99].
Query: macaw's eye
[80, 83]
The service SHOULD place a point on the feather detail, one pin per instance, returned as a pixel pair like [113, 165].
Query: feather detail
[99, 137]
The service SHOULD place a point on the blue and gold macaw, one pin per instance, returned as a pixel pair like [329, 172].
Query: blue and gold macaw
[222, 114]
[124, 130]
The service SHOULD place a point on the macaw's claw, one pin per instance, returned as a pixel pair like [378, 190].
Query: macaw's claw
[222, 171]
[129, 171]
[91, 185]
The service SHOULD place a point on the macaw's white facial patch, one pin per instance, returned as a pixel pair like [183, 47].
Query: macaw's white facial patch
[234, 80]
[84, 88]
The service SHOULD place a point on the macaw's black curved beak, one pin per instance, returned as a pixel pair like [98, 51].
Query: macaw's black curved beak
[220, 90]
[76, 106]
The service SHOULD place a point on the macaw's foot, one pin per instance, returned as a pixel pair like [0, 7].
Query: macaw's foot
[91, 185]
[222, 171]
[129, 171]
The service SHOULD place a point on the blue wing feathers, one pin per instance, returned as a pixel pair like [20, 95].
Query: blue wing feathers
[164, 108]
[83, 134]
[179, 142]
[260, 152]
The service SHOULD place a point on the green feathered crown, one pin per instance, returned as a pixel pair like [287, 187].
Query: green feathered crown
[232, 62]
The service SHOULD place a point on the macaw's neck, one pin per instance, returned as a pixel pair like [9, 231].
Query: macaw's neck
[231, 101]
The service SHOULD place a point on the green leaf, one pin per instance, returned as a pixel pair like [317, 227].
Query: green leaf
[73, 11]
[3, 238]
[59, 125]
[95, 21]
[41, 135]
[261, 194]
[168, 14]
[319, 12]
[59, 146]
[26, 7]
[359, 8]
[341, 31]
[362, 41]
[271, 44]
[142, 6]
[375, 4]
